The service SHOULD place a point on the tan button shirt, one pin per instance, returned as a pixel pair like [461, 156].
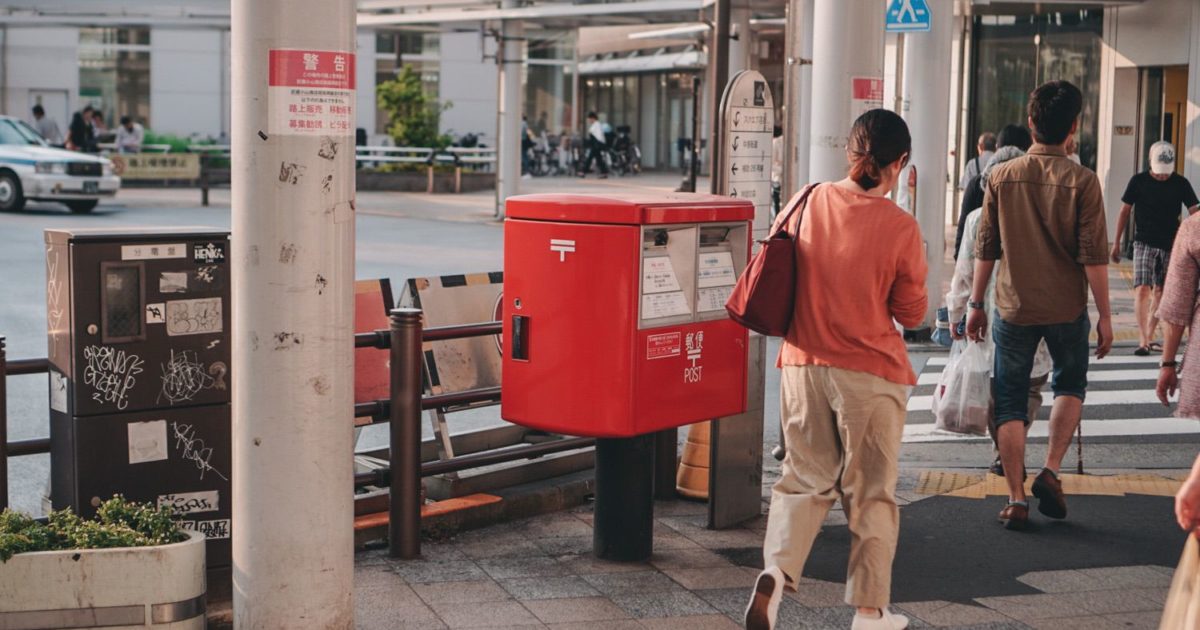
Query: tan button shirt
[1043, 219]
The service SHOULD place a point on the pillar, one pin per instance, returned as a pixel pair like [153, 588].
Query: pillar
[511, 60]
[847, 43]
[797, 95]
[926, 108]
[292, 317]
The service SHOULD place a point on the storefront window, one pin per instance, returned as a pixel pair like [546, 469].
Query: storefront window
[550, 83]
[114, 72]
[1015, 54]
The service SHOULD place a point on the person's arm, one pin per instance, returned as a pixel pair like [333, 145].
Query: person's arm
[1175, 308]
[909, 297]
[1187, 501]
[1122, 223]
[1097, 276]
[987, 251]
[1092, 242]
[964, 277]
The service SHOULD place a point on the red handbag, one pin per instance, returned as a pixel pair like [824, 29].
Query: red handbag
[764, 297]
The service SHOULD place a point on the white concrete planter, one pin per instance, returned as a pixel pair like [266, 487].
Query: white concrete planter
[130, 587]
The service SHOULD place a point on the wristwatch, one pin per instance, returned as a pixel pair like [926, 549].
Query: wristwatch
[1168, 364]
[975, 305]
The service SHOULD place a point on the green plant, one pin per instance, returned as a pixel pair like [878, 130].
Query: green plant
[178, 144]
[118, 523]
[412, 112]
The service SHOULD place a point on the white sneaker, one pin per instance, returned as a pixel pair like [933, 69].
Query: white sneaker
[887, 621]
[764, 601]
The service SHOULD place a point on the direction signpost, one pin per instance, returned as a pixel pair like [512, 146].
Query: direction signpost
[748, 115]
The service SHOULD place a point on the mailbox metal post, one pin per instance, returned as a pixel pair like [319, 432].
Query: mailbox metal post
[624, 515]
[404, 522]
[666, 453]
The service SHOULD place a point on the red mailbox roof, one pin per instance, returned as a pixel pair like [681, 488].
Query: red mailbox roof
[630, 209]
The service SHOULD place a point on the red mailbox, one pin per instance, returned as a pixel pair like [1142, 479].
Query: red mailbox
[614, 311]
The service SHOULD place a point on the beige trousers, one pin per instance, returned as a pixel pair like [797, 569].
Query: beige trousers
[843, 432]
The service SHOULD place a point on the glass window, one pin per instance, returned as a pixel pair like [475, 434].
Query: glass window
[114, 72]
[1015, 54]
[549, 105]
[560, 46]
[17, 132]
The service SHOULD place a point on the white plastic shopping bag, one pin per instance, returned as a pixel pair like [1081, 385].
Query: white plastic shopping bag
[962, 402]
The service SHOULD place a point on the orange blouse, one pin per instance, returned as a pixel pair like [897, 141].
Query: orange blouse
[859, 264]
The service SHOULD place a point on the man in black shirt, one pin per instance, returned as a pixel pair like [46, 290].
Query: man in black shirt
[1158, 195]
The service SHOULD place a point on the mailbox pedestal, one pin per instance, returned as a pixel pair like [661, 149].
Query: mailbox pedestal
[615, 327]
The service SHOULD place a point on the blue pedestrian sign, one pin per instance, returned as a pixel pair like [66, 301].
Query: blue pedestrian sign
[906, 16]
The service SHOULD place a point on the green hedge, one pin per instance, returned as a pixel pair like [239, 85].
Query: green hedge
[118, 523]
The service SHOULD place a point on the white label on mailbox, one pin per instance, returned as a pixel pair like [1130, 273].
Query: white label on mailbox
[713, 299]
[58, 391]
[657, 305]
[194, 317]
[150, 252]
[658, 276]
[716, 270]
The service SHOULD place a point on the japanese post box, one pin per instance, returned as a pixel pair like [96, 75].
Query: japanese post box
[614, 311]
[138, 333]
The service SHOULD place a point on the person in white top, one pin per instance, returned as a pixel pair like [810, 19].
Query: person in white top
[130, 136]
[46, 126]
[594, 143]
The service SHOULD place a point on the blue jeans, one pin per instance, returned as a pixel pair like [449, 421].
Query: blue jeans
[1013, 361]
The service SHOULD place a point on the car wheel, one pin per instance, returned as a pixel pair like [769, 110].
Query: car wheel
[82, 207]
[12, 198]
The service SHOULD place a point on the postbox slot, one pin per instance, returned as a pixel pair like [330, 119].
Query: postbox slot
[122, 302]
[721, 259]
[668, 280]
[520, 338]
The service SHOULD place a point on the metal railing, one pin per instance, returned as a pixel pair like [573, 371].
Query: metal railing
[402, 409]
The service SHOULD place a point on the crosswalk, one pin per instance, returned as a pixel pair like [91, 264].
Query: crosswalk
[1120, 402]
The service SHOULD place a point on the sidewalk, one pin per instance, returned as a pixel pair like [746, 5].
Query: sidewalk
[1109, 566]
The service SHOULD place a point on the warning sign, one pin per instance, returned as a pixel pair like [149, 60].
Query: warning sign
[866, 93]
[311, 92]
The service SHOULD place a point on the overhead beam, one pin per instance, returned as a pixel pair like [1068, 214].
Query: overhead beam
[534, 13]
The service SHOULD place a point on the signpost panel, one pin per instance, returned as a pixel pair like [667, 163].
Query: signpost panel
[748, 116]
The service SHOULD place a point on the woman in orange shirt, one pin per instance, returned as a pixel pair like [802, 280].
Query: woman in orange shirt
[860, 266]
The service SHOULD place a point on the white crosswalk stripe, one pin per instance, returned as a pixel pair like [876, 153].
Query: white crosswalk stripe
[1120, 402]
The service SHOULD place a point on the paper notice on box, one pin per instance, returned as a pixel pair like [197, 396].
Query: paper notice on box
[658, 275]
[713, 298]
[658, 305]
[147, 441]
[716, 270]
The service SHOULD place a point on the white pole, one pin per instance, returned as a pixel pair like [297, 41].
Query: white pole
[741, 50]
[926, 103]
[293, 313]
[512, 60]
[847, 44]
[797, 96]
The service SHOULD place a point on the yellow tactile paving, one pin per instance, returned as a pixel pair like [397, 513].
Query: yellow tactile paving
[976, 486]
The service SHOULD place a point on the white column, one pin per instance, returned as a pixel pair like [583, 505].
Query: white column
[512, 60]
[293, 325]
[926, 103]
[847, 43]
[1191, 167]
[741, 49]
[797, 110]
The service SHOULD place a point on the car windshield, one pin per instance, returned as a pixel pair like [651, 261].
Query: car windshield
[17, 132]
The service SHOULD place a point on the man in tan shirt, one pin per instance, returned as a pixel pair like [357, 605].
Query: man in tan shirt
[1043, 220]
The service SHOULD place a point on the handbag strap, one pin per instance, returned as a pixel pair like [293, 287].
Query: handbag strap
[800, 204]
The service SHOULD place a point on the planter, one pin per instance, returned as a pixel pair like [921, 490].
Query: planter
[130, 587]
[420, 181]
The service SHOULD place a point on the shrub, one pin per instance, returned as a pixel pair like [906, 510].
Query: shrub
[118, 523]
[413, 113]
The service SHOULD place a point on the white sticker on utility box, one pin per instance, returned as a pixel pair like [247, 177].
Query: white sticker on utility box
[152, 252]
[191, 502]
[194, 317]
[211, 529]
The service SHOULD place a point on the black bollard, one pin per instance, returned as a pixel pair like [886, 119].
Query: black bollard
[624, 519]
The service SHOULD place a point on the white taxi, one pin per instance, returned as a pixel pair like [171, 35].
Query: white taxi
[30, 169]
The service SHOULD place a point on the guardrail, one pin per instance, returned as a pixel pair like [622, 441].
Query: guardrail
[402, 409]
[111, 147]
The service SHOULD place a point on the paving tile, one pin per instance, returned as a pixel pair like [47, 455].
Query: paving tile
[628, 624]
[662, 604]
[1108, 602]
[667, 539]
[1137, 621]
[725, 538]
[486, 615]
[548, 587]
[691, 622]
[827, 618]
[1062, 581]
[680, 508]
[565, 545]
[687, 559]
[561, 611]
[942, 613]
[373, 557]
[732, 602]
[554, 526]
[508, 568]
[1028, 607]
[380, 604]
[500, 549]
[713, 577]
[1092, 622]
[818, 593]
[585, 564]
[423, 571]
[441, 552]
[630, 583]
[460, 592]
[1158, 595]
[1130, 577]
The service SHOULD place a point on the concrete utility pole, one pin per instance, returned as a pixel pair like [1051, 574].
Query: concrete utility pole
[926, 108]
[797, 95]
[847, 43]
[510, 58]
[293, 313]
[718, 61]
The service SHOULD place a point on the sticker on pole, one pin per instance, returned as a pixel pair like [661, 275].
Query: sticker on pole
[906, 16]
[311, 92]
[866, 93]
